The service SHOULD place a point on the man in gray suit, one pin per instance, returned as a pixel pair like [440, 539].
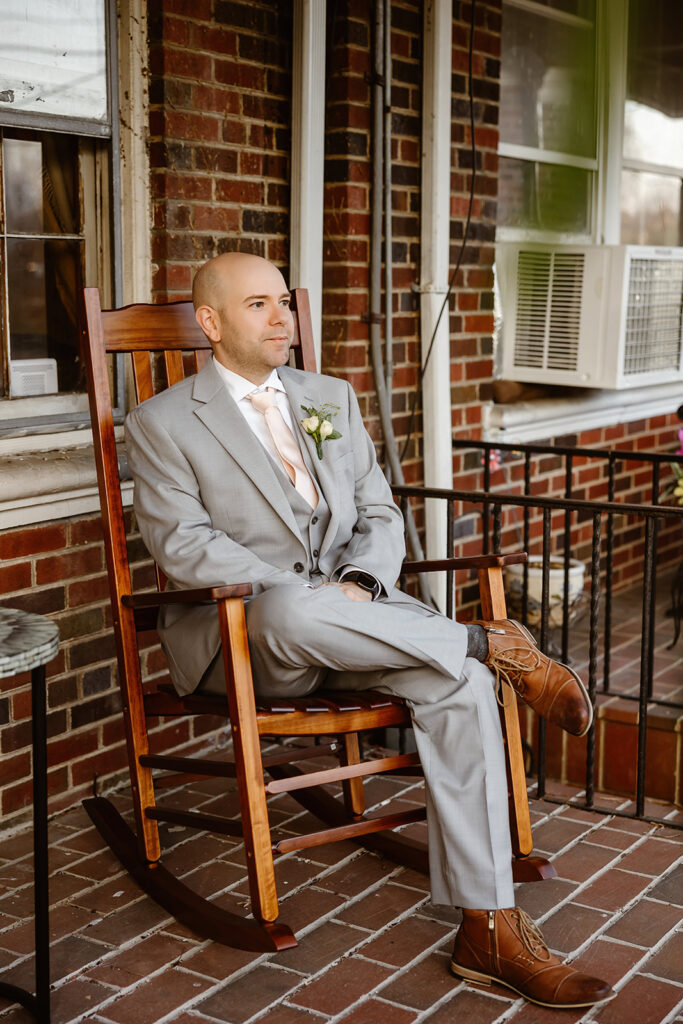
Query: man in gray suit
[255, 472]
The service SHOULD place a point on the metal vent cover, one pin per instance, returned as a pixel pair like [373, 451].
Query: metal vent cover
[548, 321]
[654, 316]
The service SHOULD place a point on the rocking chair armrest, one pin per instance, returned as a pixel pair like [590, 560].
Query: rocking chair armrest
[201, 595]
[472, 562]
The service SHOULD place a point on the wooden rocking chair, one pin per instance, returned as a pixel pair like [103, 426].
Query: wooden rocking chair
[158, 336]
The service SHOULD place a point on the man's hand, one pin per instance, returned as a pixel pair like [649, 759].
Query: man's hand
[352, 591]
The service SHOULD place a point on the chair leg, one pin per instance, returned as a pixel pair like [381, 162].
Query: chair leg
[247, 748]
[137, 739]
[354, 794]
[492, 595]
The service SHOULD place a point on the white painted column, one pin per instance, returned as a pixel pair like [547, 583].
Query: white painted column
[136, 207]
[434, 250]
[308, 145]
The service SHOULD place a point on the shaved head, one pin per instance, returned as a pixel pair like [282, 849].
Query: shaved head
[241, 303]
[216, 280]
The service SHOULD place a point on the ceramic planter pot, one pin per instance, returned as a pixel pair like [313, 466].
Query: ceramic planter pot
[514, 585]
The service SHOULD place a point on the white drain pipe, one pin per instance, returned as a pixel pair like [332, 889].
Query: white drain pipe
[308, 151]
[434, 274]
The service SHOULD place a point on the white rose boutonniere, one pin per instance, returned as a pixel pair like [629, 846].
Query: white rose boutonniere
[318, 424]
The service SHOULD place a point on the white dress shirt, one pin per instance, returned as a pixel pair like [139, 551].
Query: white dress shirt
[239, 387]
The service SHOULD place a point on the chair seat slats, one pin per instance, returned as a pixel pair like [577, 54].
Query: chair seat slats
[336, 702]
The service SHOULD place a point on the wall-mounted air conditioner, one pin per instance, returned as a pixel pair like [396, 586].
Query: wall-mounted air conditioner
[32, 377]
[596, 316]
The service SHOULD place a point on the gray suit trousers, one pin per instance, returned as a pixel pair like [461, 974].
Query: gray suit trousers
[302, 638]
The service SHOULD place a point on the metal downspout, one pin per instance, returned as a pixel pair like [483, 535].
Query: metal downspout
[388, 236]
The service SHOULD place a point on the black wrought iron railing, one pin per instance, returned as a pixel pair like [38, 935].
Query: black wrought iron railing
[613, 461]
[584, 522]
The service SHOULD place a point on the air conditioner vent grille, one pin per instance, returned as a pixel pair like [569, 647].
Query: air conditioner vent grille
[548, 309]
[654, 316]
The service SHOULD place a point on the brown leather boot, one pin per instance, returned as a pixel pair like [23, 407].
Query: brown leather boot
[506, 946]
[553, 690]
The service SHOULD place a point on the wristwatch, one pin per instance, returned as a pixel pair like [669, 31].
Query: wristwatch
[364, 580]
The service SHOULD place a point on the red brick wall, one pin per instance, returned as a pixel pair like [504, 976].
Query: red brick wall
[57, 569]
[348, 197]
[220, 99]
[471, 322]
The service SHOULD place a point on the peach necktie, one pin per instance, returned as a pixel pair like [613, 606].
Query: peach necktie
[285, 443]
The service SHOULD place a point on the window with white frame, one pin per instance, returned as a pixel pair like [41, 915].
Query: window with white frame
[652, 166]
[55, 201]
[591, 121]
[548, 118]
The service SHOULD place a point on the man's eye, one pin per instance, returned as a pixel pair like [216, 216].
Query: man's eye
[257, 305]
[286, 303]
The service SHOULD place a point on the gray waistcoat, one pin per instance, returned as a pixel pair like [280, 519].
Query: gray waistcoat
[312, 523]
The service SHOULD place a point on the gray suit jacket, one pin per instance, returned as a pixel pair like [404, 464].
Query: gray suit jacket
[212, 509]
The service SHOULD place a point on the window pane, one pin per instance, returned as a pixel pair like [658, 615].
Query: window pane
[651, 209]
[543, 196]
[581, 8]
[653, 117]
[52, 57]
[43, 279]
[547, 85]
[40, 186]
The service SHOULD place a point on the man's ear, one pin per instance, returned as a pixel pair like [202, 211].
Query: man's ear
[208, 320]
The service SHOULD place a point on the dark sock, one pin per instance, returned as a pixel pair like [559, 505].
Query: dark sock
[477, 643]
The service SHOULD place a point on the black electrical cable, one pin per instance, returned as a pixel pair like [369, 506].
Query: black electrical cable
[465, 237]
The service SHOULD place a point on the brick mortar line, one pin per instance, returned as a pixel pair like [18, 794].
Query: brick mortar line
[658, 977]
[639, 840]
[397, 974]
[621, 912]
[582, 886]
[55, 985]
[673, 1016]
[96, 920]
[367, 938]
[603, 822]
[623, 981]
[305, 979]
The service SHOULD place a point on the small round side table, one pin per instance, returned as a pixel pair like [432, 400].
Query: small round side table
[27, 643]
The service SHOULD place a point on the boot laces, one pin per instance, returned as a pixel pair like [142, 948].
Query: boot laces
[510, 665]
[530, 934]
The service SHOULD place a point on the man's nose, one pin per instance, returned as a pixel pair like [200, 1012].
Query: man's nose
[277, 314]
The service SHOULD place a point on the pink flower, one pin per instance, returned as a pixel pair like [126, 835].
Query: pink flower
[494, 459]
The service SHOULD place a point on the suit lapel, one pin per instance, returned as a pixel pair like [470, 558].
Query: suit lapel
[219, 413]
[304, 392]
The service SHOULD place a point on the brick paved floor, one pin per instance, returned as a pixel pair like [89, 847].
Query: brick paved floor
[372, 948]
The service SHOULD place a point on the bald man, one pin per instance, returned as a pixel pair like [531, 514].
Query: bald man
[255, 472]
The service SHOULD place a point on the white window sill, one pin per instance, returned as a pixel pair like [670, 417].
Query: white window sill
[39, 487]
[543, 418]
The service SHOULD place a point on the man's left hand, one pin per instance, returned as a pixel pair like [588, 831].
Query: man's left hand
[352, 591]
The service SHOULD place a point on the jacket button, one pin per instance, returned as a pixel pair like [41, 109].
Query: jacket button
[316, 553]
[314, 520]
[298, 567]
